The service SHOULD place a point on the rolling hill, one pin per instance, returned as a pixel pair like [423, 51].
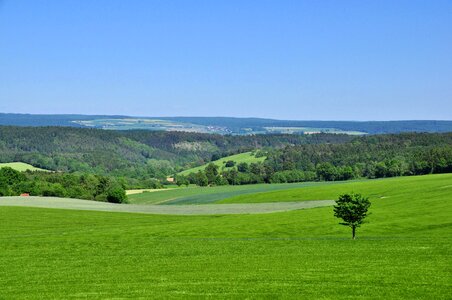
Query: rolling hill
[225, 125]
[134, 154]
[402, 252]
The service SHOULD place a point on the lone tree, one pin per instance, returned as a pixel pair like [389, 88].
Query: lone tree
[352, 208]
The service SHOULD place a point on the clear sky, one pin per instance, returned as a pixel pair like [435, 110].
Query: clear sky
[305, 60]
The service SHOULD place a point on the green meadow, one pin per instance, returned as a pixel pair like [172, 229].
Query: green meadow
[247, 157]
[396, 187]
[404, 251]
[288, 192]
[20, 166]
[202, 195]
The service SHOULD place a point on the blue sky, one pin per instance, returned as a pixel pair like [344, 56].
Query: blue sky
[305, 60]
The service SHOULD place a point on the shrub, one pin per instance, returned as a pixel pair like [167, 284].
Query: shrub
[229, 164]
[116, 194]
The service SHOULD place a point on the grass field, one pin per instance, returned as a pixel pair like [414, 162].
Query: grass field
[202, 195]
[20, 166]
[375, 189]
[259, 193]
[403, 252]
[207, 209]
[247, 157]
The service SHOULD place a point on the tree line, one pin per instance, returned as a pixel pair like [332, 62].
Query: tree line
[365, 157]
[143, 159]
[136, 156]
[80, 186]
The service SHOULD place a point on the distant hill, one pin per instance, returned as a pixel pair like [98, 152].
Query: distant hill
[370, 127]
[47, 120]
[137, 156]
[225, 125]
[133, 153]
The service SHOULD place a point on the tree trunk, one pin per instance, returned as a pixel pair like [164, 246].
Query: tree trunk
[353, 232]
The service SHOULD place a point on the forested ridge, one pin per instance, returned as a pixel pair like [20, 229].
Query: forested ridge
[363, 157]
[138, 154]
[143, 158]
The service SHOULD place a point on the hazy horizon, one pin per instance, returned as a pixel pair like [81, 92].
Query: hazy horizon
[244, 117]
[286, 60]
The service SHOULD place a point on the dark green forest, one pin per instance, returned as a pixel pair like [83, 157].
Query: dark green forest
[363, 157]
[144, 159]
[135, 155]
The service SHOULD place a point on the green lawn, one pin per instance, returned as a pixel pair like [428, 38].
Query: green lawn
[20, 166]
[247, 157]
[403, 252]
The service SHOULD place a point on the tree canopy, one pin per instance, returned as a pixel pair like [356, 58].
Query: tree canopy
[352, 209]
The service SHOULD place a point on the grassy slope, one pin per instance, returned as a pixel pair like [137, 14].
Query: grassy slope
[404, 252]
[200, 195]
[206, 209]
[246, 157]
[20, 166]
[390, 187]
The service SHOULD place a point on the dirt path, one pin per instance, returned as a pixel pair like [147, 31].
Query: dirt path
[206, 209]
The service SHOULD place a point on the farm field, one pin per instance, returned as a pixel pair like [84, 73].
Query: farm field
[20, 166]
[207, 209]
[309, 130]
[139, 191]
[375, 189]
[203, 195]
[176, 124]
[140, 123]
[403, 252]
[247, 157]
[288, 192]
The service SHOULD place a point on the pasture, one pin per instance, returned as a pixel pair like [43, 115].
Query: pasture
[403, 252]
[424, 186]
[21, 167]
[203, 195]
[247, 157]
[206, 209]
